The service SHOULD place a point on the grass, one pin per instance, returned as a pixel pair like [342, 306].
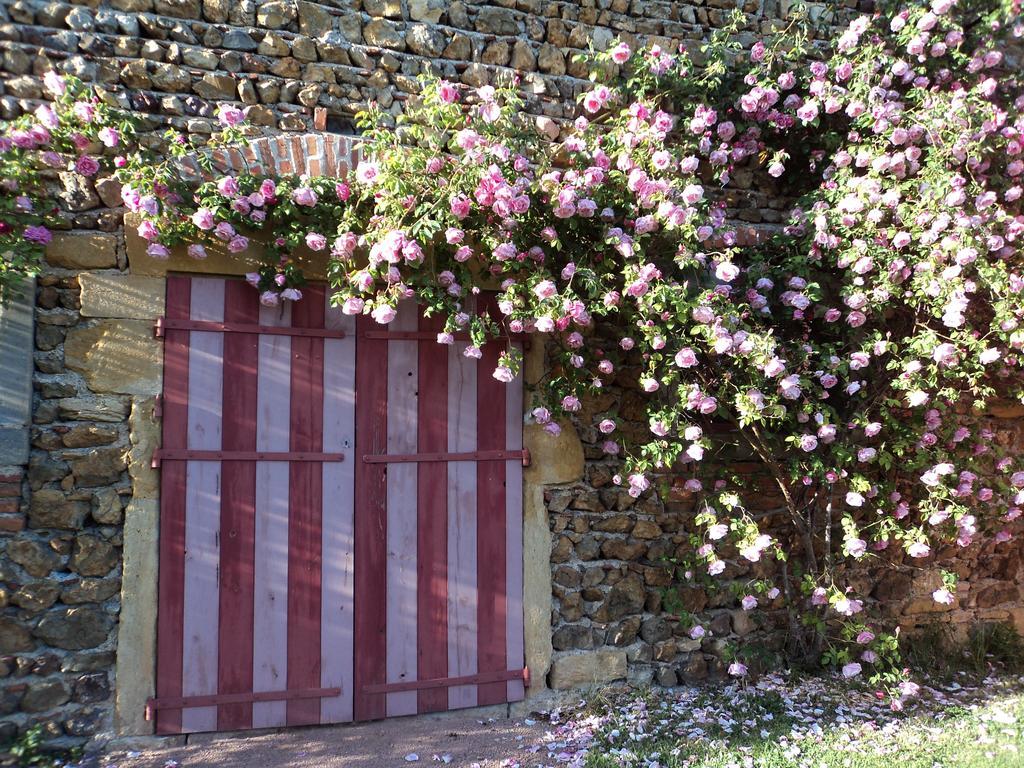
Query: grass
[813, 723]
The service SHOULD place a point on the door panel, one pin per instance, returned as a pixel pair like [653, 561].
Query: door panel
[341, 516]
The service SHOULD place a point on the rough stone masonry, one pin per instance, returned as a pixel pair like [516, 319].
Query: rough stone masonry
[85, 493]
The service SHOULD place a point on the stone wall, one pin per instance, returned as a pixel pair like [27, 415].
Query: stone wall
[77, 553]
[616, 582]
[173, 59]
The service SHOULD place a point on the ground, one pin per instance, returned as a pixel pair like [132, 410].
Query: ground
[965, 721]
[460, 739]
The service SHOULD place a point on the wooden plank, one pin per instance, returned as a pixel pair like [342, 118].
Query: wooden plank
[270, 578]
[432, 518]
[247, 456]
[514, 648]
[336, 638]
[401, 605]
[462, 526]
[240, 698]
[202, 504]
[434, 684]
[305, 483]
[245, 327]
[238, 506]
[172, 509]
[490, 484]
[442, 456]
[370, 523]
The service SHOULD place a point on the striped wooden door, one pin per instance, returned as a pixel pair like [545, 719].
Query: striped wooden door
[341, 516]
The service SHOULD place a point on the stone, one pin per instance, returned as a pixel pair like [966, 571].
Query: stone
[89, 661]
[121, 296]
[216, 10]
[109, 409]
[892, 586]
[37, 596]
[87, 435]
[14, 637]
[85, 722]
[93, 556]
[620, 549]
[625, 598]
[493, 20]
[216, 87]
[429, 11]
[135, 74]
[624, 633]
[238, 40]
[33, 556]
[10, 701]
[152, 50]
[383, 8]
[695, 670]
[692, 599]
[614, 524]
[274, 45]
[179, 9]
[80, 20]
[121, 356]
[170, 77]
[551, 60]
[144, 436]
[476, 75]
[46, 695]
[553, 459]
[384, 34]
[567, 576]
[276, 14]
[78, 193]
[562, 550]
[666, 677]
[645, 529]
[200, 58]
[101, 466]
[588, 548]
[78, 250]
[497, 53]
[425, 40]
[572, 637]
[580, 669]
[106, 507]
[523, 57]
[74, 628]
[52, 509]
[314, 20]
[997, 594]
[91, 688]
[655, 630]
[742, 622]
[460, 49]
[44, 469]
[109, 190]
[547, 126]
[260, 115]
[48, 337]
[89, 591]
[721, 624]
[136, 631]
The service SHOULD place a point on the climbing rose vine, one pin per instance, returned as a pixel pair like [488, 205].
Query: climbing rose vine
[74, 136]
[848, 347]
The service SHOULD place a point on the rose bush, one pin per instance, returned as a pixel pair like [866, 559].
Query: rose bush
[852, 350]
[74, 134]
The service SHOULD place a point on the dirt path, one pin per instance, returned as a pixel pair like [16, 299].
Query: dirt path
[466, 740]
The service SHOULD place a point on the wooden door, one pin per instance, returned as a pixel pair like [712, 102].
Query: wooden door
[341, 516]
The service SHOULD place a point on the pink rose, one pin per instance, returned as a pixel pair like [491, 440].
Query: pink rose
[304, 196]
